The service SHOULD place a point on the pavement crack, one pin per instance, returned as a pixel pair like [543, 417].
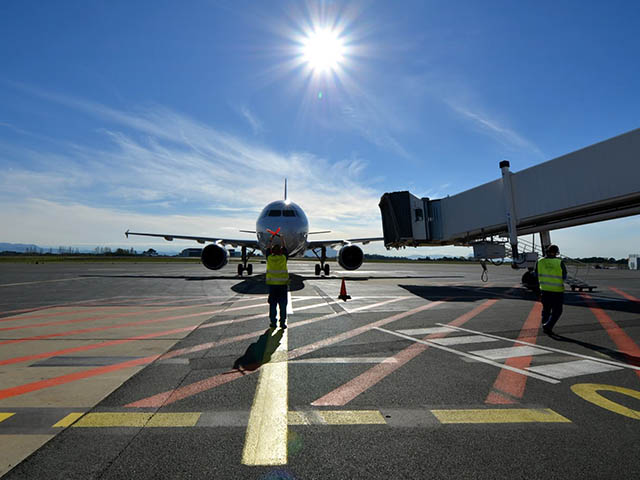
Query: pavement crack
[335, 306]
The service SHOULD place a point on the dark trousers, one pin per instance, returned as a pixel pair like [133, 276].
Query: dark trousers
[278, 297]
[551, 308]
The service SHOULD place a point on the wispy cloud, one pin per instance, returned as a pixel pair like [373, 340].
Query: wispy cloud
[157, 161]
[254, 121]
[505, 135]
[435, 192]
[371, 125]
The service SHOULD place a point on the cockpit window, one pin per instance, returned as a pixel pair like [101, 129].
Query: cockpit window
[289, 213]
[274, 213]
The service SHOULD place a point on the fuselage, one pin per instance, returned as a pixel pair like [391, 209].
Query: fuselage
[292, 222]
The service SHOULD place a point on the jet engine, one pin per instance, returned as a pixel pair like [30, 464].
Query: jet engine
[350, 257]
[214, 257]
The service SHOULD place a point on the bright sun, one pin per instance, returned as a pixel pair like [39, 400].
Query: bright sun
[323, 50]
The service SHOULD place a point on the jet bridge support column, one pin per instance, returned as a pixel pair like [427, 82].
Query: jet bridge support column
[510, 209]
[545, 241]
[593, 184]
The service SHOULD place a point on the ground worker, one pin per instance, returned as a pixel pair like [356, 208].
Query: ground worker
[278, 281]
[551, 273]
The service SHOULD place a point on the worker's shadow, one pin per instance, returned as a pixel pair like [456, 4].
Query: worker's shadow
[258, 286]
[613, 354]
[259, 352]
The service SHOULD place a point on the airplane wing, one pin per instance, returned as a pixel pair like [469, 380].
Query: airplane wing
[223, 241]
[340, 243]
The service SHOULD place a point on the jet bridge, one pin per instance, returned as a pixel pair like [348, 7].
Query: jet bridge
[597, 183]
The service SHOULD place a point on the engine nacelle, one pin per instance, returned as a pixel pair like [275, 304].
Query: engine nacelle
[214, 257]
[350, 257]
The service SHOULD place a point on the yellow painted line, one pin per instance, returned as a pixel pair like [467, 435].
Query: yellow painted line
[352, 417]
[114, 419]
[336, 417]
[266, 437]
[589, 392]
[298, 418]
[136, 419]
[68, 420]
[4, 416]
[174, 420]
[500, 415]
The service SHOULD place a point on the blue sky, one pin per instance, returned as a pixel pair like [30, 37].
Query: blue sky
[184, 117]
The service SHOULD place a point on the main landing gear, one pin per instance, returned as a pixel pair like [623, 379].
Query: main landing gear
[323, 267]
[244, 266]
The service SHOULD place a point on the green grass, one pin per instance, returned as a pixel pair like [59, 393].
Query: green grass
[93, 258]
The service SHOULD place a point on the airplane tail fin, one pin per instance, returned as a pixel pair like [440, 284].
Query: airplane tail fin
[285, 190]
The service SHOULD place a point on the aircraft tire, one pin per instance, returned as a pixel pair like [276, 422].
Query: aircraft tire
[250, 269]
[317, 270]
[240, 269]
[327, 269]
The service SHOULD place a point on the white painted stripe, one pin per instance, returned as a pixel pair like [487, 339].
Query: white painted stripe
[551, 349]
[463, 340]
[266, 438]
[360, 297]
[425, 331]
[42, 281]
[574, 368]
[289, 304]
[509, 352]
[468, 355]
[346, 360]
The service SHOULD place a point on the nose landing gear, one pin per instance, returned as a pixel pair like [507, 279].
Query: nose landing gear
[244, 266]
[323, 266]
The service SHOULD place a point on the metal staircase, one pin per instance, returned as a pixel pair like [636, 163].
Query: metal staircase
[577, 271]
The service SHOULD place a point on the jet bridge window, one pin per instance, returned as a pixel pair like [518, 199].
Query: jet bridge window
[289, 213]
[275, 213]
[419, 215]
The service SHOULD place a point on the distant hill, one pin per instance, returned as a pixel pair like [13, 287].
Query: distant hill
[18, 247]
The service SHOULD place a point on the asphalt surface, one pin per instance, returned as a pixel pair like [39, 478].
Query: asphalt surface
[169, 371]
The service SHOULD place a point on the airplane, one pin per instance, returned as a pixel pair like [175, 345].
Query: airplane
[284, 219]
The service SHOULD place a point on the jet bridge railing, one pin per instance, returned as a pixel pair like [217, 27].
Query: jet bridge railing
[578, 272]
[596, 183]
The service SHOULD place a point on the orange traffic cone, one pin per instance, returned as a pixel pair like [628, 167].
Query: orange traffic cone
[343, 292]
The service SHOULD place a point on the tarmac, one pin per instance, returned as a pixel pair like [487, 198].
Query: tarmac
[136, 370]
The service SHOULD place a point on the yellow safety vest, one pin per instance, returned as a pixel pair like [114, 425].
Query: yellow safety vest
[550, 275]
[277, 273]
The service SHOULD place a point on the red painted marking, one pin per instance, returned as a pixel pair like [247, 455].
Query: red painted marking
[129, 324]
[495, 398]
[623, 341]
[171, 396]
[15, 391]
[56, 314]
[363, 382]
[121, 300]
[91, 319]
[230, 299]
[98, 308]
[55, 305]
[510, 386]
[625, 295]
[72, 377]
[298, 352]
[99, 329]
[94, 346]
[30, 387]
[108, 343]
[109, 316]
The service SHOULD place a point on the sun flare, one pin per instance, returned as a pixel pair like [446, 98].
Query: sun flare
[323, 50]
